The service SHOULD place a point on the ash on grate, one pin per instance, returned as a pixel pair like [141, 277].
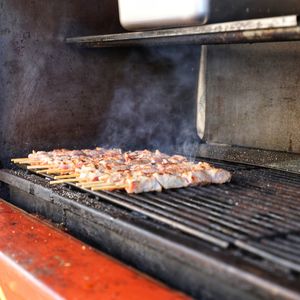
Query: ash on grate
[66, 192]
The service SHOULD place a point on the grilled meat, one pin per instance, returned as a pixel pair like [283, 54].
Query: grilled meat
[139, 171]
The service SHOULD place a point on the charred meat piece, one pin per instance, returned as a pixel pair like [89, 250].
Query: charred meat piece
[217, 176]
[170, 181]
[143, 184]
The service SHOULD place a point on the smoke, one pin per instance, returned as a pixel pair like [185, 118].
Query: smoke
[154, 104]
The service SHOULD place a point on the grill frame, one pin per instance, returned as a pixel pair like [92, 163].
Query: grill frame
[198, 259]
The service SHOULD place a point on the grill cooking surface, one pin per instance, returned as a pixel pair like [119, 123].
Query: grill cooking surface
[257, 213]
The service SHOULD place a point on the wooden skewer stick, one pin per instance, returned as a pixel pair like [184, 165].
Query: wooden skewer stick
[59, 171]
[89, 186]
[24, 163]
[20, 159]
[109, 188]
[41, 171]
[48, 171]
[64, 181]
[27, 162]
[91, 183]
[66, 176]
[51, 171]
[37, 167]
[104, 184]
[32, 163]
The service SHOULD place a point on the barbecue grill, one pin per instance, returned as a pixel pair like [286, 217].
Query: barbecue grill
[237, 109]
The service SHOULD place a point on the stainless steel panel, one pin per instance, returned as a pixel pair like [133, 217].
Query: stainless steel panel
[252, 96]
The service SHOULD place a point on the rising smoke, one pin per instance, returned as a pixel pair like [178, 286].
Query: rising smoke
[154, 105]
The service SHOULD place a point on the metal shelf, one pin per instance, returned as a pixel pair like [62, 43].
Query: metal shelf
[277, 29]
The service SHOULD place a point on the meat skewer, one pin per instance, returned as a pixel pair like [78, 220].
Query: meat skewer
[136, 172]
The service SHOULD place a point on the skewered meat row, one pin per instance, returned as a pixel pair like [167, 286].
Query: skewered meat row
[137, 172]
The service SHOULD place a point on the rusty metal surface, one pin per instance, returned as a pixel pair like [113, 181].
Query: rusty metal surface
[18, 284]
[39, 262]
[248, 37]
[256, 24]
[250, 31]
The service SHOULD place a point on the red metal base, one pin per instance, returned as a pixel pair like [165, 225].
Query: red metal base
[37, 261]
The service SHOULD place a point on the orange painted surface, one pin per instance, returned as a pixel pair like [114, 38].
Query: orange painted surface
[37, 261]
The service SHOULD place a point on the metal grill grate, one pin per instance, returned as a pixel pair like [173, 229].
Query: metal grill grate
[259, 212]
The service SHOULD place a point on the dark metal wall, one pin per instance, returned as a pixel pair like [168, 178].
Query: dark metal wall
[53, 95]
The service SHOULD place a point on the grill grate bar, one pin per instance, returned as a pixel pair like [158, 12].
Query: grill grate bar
[184, 217]
[266, 253]
[242, 211]
[285, 190]
[250, 195]
[268, 182]
[289, 244]
[271, 193]
[188, 213]
[294, 238]
[159, 215]
[283, 218]
[276, 244]
[246, 210]
[274, 175]
[220, 213]
[270, 202]
[275, 249]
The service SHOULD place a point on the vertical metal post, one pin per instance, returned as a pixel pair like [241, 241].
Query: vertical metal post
[201, 94]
